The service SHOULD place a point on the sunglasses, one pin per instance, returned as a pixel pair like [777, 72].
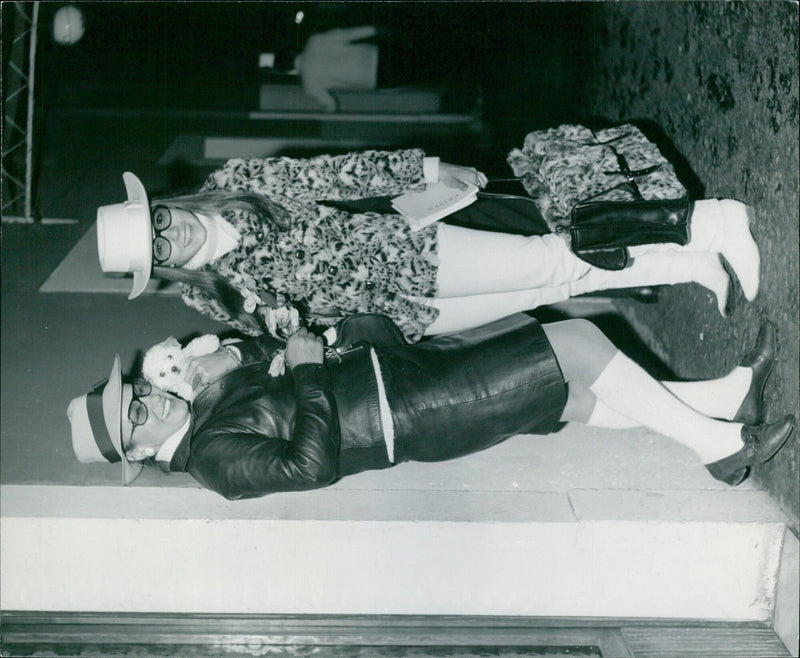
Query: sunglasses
[162, 220]
[137, 410]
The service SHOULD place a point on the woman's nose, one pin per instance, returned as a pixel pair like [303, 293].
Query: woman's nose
[171, 233]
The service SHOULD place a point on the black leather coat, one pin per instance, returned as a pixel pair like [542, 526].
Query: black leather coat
[253, 434]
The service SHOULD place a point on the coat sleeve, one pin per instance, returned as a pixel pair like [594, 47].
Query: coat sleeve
[356, 175]
[241, 464]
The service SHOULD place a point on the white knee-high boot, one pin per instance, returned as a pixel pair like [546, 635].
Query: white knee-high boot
[724, 227]
[656, 268]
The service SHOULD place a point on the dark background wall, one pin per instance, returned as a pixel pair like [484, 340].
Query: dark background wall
[152, 54]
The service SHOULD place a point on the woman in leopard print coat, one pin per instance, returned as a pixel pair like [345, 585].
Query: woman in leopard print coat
[259, 236]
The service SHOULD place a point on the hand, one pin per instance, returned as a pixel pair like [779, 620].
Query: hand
[455, 176]
[303, 347]
[202, 370]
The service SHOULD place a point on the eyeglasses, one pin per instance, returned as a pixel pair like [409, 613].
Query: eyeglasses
[137, 410]
[162, 220]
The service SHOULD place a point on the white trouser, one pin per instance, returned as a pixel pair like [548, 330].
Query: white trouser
[484, 275]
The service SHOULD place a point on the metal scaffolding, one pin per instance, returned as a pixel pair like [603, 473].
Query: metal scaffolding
[18, 107]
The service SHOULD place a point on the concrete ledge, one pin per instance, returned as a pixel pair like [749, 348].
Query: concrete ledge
[335, 504]
[622, 569]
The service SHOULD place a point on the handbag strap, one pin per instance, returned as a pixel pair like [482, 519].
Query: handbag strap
[630, 176]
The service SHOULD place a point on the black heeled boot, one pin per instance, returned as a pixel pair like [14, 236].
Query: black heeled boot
[761, 442]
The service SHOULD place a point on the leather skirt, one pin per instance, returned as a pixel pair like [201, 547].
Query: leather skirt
[463, 392]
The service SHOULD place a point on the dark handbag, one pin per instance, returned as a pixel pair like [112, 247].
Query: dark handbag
[356, 330]
[601, 231]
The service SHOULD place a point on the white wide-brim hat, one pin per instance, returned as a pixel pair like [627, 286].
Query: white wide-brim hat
[125, 235]
[98, 424]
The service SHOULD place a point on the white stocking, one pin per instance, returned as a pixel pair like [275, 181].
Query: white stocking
[718, 398]
[625, 387]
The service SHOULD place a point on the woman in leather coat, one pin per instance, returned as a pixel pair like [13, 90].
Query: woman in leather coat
[248, 434]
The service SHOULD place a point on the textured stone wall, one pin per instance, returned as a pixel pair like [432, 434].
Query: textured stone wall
[721, 80]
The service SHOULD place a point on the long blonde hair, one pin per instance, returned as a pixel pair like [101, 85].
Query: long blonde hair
[217, 202]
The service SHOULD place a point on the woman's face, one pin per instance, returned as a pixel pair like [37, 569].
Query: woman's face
[166, 414]
[177, 235]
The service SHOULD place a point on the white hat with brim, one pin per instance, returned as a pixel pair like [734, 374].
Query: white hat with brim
[98, 424]
[125, 235]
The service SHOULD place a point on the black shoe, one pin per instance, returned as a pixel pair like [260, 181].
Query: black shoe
[761, 442]
[761, 359]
